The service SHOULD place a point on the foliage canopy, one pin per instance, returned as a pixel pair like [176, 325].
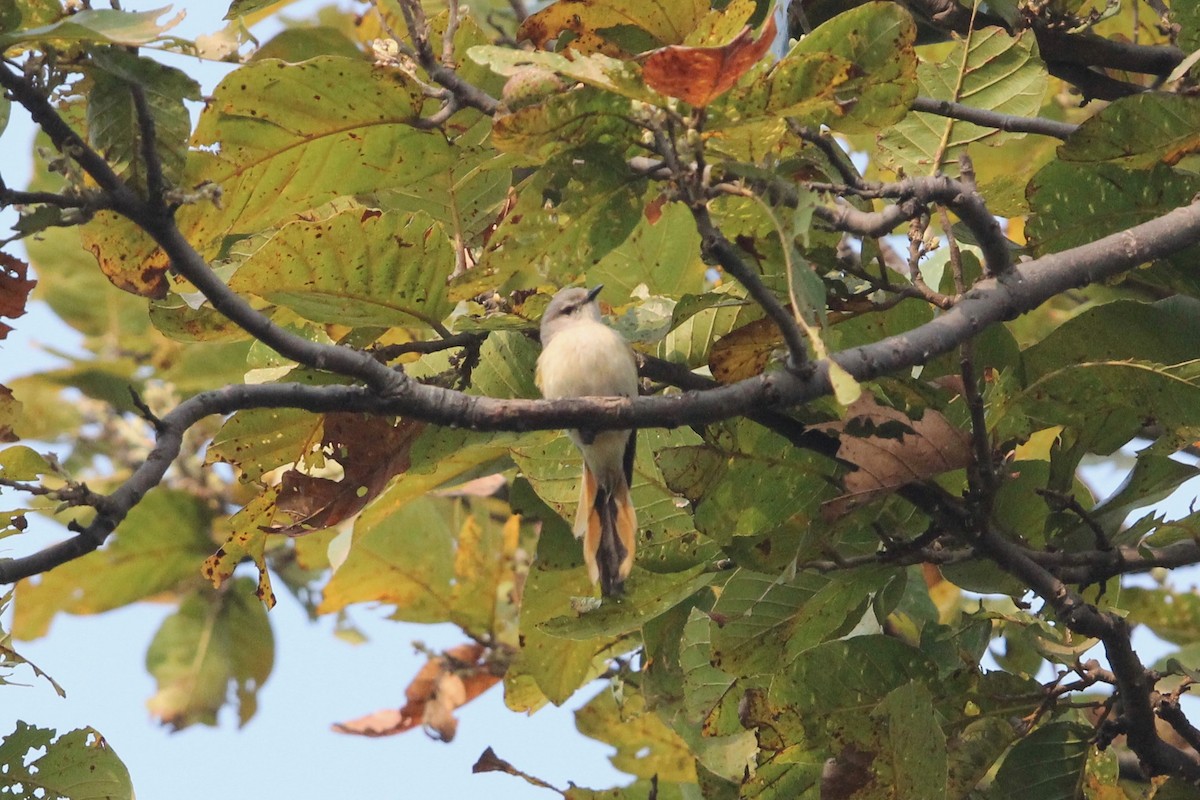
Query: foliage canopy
[863, 535]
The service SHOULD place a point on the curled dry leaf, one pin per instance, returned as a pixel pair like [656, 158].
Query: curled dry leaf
[442, 685]
[890, 451]
[370, 450]
[699, 75]
[14, 289]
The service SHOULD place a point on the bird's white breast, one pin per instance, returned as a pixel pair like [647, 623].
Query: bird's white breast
[587, 359]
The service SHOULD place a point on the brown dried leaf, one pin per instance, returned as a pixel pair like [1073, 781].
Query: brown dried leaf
[699, 75]
[442, 685]
[912, 450]
[744, 352]
[370, 449]
[14, 289]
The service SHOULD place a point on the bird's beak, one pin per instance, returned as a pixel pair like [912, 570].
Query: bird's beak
[595, 290]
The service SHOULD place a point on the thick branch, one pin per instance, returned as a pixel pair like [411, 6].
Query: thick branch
[1025, 287]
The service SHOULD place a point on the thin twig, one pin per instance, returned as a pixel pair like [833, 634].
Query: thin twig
[726, 254]
[994, 119]
[155, 185]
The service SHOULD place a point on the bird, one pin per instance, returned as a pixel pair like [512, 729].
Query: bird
[583, 357]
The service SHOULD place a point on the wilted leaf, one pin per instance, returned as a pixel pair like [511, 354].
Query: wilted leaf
[912, 451]
[443, 684]
[130, 29]
[698, 75]
[247, 539]
[369, 449]
[14, 290]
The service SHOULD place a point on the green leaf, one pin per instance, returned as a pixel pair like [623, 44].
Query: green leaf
[1115, 199]
[829, 685]
[1137, 132]
[359, 267]
[1092, 394]
[668, 541]
[597, 70]
[280, 139]
[129, 29]
[80, 764]
[550, 668]
[645, 745]
[1153, 478]
[403, 555]
[989, 70]
[648, 596]
[465, 196]
[754, 485]
[699, 320]
[877, 39]
[21, 463]
[663, 254]
[563, 122]
[973, 751]
[807, 86]
[914, 748]
[1174, 616]
[704, 685]
[767, 622]
[507, 364]
[1045, 765]
[217, 649]
[240, 8]
[1121, 331]
[157, 548]
[568, 215]
[112, 121]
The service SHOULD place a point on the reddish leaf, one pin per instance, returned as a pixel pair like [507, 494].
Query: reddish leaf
[699, 75]
[446, 682]
[370, 450]
[14, 289]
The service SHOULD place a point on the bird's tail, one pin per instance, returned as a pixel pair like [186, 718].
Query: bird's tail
[607, 523]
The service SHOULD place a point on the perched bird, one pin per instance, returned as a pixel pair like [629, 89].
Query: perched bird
[583, 357]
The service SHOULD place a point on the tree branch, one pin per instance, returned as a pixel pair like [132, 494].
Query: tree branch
[715, 244]
[991, 300]
[994, 119]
